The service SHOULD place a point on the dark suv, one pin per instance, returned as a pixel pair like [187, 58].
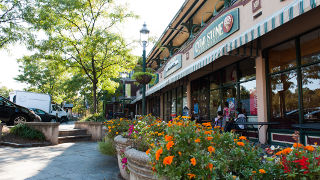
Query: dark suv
[11, 113]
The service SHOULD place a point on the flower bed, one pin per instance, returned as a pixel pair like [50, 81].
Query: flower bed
[182, 149]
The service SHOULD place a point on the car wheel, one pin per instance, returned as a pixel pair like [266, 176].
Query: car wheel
[19, 119]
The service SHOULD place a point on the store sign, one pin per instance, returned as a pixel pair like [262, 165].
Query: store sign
[218, 30]
[256, 5]
[173, 65]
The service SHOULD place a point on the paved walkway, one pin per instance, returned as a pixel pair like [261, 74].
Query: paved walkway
[69, 125]
[61, 162]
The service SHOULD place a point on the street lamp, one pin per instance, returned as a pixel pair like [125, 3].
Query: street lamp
[144, 36]
[123, 77]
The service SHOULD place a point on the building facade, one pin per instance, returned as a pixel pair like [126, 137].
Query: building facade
[261, 57]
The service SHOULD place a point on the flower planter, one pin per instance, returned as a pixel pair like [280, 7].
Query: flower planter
[94, 128]
[139, 165]
[121, 144]
[144, 79]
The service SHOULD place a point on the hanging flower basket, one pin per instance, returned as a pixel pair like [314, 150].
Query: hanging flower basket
[143, 77]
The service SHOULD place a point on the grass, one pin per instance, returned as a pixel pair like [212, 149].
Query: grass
[107, 147]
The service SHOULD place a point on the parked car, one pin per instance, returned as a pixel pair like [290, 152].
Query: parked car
[45, 117]
[11, 114]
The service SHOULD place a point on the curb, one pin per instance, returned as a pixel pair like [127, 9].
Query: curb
[15, 145]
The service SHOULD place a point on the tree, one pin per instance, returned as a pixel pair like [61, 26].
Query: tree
[12, 13]
[4, 91]
[80, 36]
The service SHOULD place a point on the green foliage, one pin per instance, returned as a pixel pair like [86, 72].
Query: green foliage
[107, 147]
[25, 131]
[79, 36]
[4, 91]
[137, 75]
[118, 126]
[94, 118]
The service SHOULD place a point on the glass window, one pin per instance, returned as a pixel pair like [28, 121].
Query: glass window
[311, 93]
[185, 100]
[214, 102]
[282, 57]
[229, 74]
[248, 99]
[284, 98]
[179, 101]
[215, 80]
[230, 95]
[310, 47]
[247, 69]
[174, 103]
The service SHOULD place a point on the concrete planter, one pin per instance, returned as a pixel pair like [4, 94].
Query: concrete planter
[139, 165]
[93, 128]
[49, 129]
[121, 145]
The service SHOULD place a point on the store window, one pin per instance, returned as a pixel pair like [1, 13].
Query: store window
[284, 85]
[282, 57]
[179, 101]
[248, 99]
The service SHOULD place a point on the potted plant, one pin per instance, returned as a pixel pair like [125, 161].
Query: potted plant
[143, 77]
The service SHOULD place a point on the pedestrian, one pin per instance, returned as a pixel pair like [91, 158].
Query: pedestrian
[218, 120]
[226, 114]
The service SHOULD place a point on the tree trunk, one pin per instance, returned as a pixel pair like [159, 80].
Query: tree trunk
[94, 89]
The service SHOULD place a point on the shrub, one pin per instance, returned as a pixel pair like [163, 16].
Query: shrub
[27, 132]
[94, 118]
[107, 147]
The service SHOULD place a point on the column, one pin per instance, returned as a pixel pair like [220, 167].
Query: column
[261, 96]
[161, 107]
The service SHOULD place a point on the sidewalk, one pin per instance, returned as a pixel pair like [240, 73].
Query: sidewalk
[61, 162]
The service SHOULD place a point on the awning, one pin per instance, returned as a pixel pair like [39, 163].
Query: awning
[284, 15]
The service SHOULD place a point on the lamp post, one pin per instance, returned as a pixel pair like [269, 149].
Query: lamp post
[123, 76]
[144, 36]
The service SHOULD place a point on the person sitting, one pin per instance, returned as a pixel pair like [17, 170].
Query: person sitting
[219, 119]
[241, 119]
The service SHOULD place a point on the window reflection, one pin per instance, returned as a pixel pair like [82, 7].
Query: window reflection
[248, 98]
[284, 98]
[282, 57]
[311, 93]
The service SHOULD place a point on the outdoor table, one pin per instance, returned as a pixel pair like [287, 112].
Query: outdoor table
[260, 124]
[307, 126]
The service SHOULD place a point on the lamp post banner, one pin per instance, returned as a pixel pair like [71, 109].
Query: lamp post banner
[173, 65]
[218, 30]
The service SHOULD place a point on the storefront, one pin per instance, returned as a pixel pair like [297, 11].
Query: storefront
[261, 57]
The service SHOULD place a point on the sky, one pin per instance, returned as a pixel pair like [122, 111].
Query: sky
[156, 14]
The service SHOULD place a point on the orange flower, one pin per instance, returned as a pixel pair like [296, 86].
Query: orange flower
[167, 160]
[279, 153]
[210, 166]
[235, 140]
[179, 153]
[209, 138]
[309, 148]
[148, 151]
[217, 127]
[193, 161]
[197, 140]
[158, 153]
[262, 171]
[286, 151]
[168, 138]
[242, 138]
[254, 172]
[170, 144]
[297, 145]
[191, 175]
[240, 143]
[152, 145]
[206, 124]
[211, 149]
[207, 132]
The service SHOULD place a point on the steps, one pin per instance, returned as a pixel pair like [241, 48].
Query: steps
[73, 135]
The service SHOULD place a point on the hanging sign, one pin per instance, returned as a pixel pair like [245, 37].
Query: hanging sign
[173, 65]
[218, 30]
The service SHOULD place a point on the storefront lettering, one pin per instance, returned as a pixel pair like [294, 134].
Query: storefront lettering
[173, 65]
[217, 31]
